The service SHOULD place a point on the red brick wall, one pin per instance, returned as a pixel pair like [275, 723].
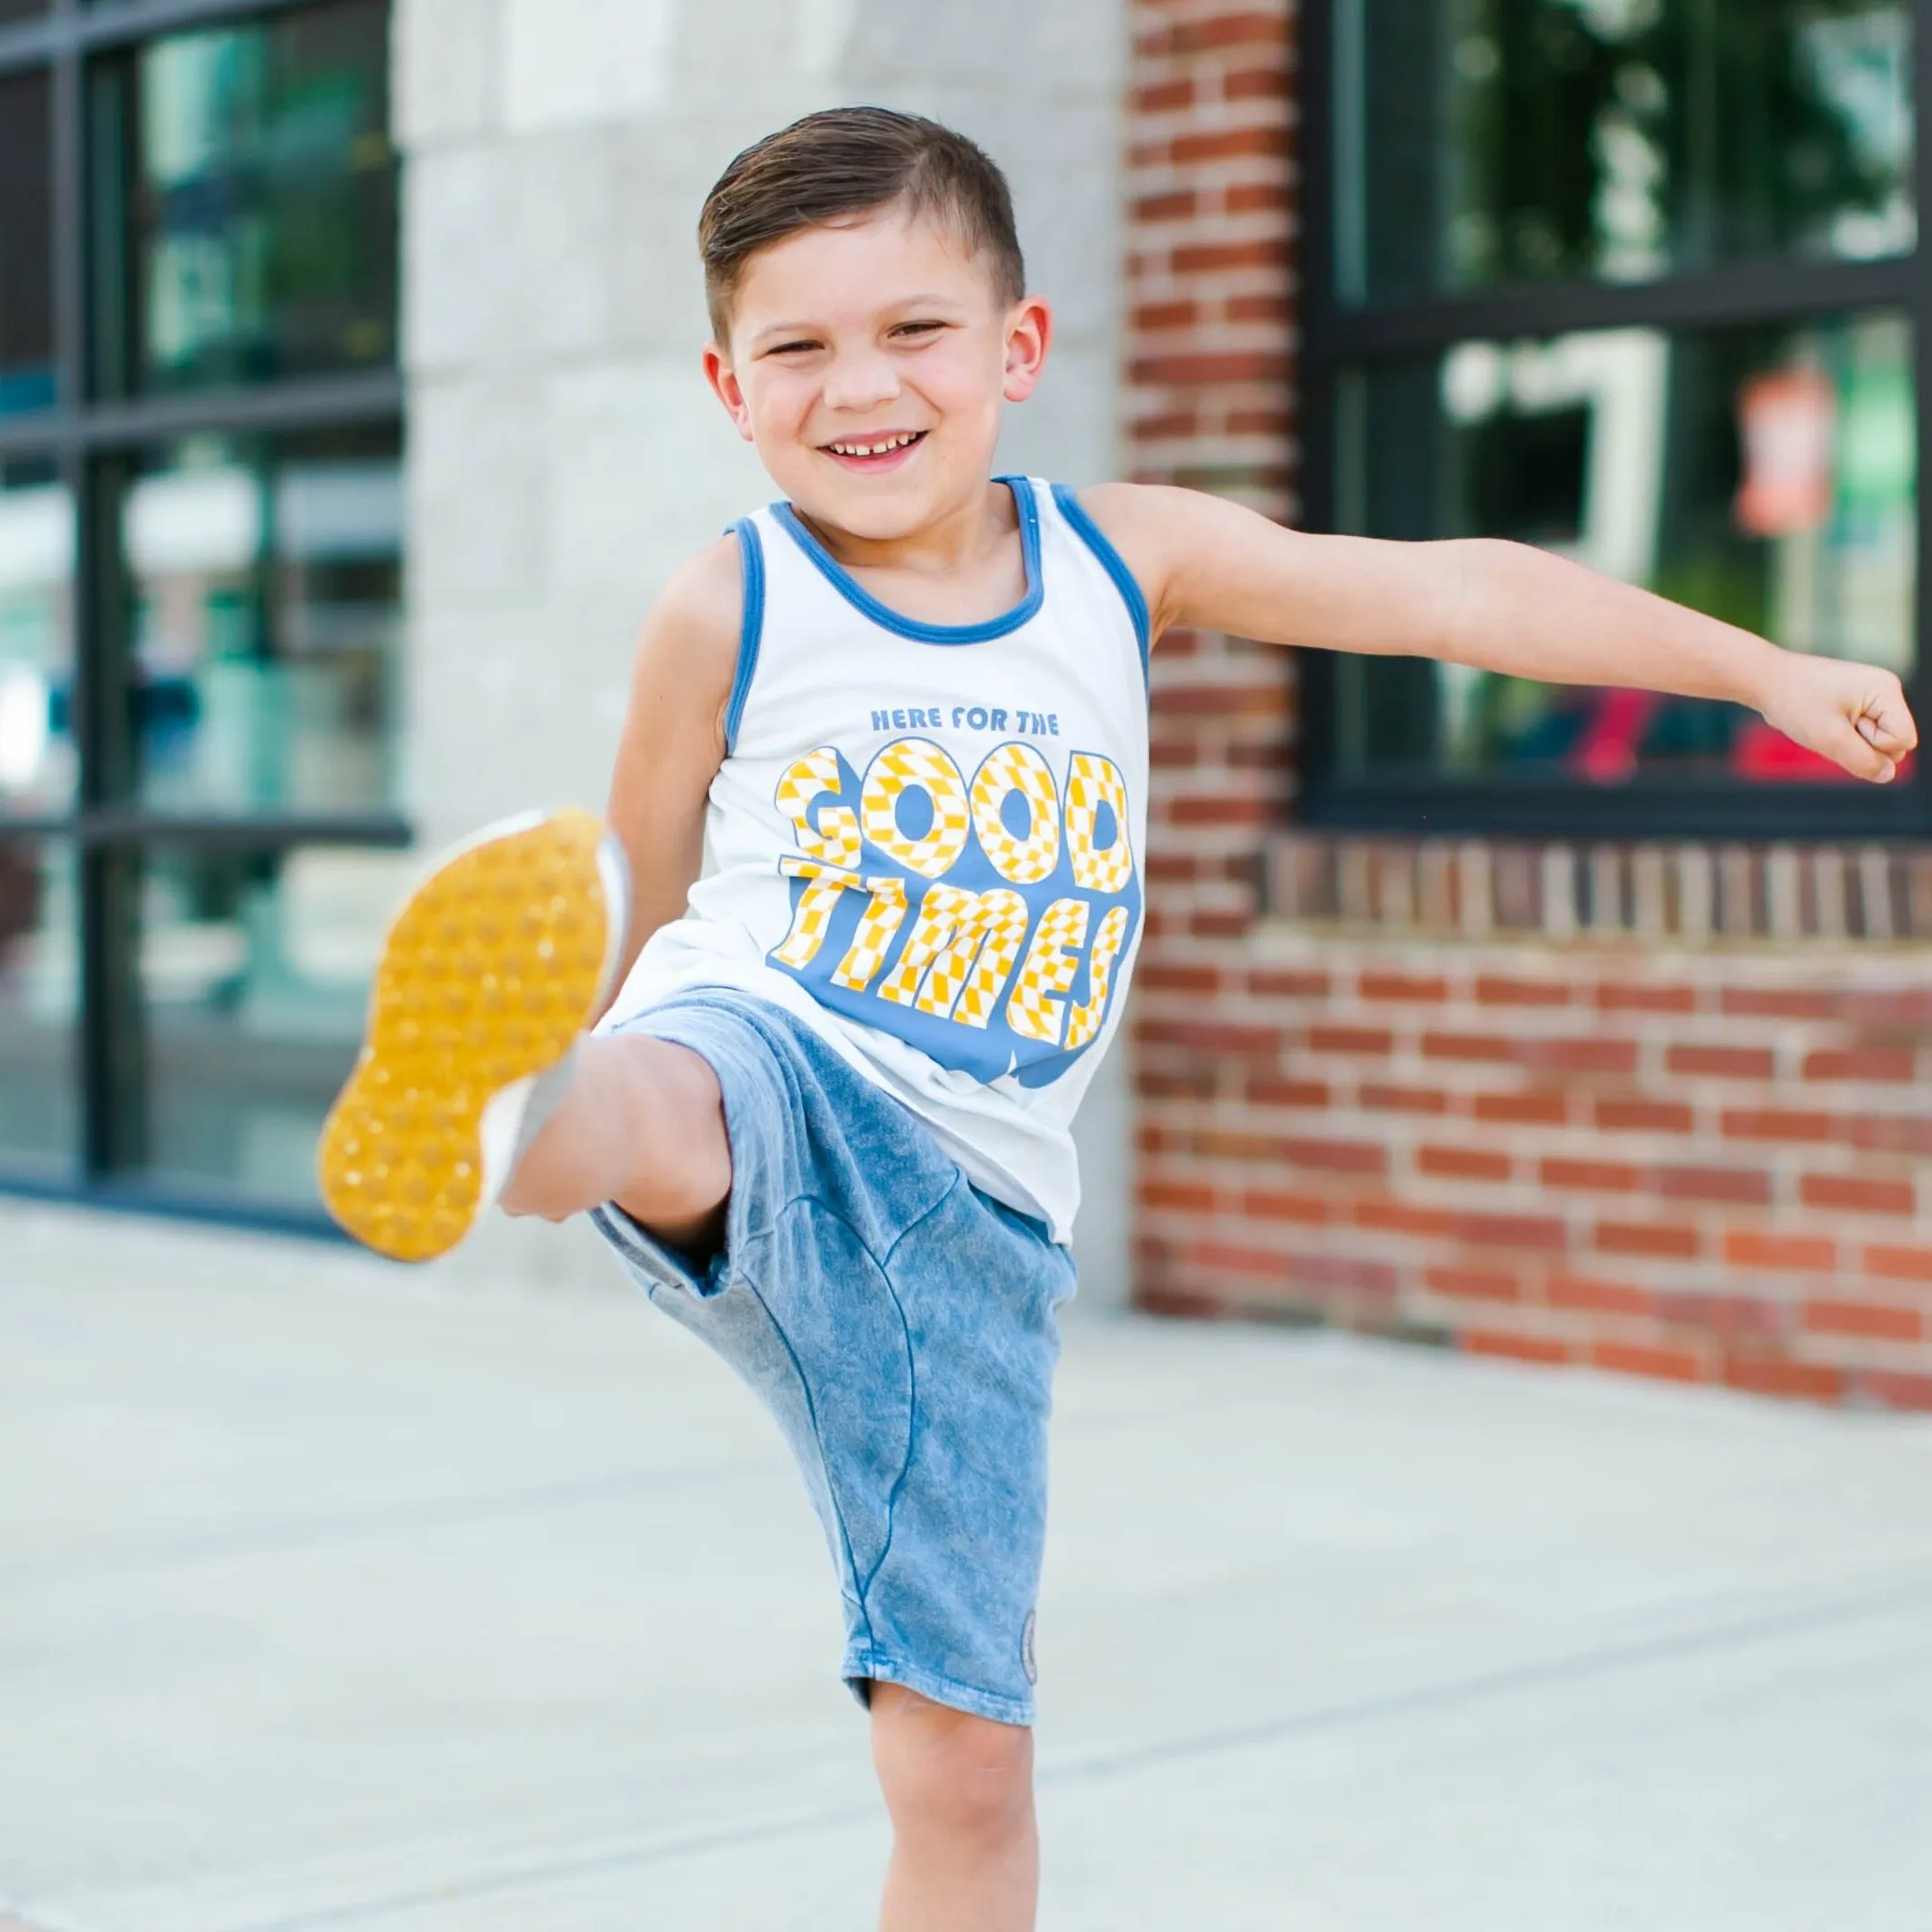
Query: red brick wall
[1210, 388]
[1660, 1118]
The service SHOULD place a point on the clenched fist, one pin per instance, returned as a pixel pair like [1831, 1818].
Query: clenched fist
[1855, 714]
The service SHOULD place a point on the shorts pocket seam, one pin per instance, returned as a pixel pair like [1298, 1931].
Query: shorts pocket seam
[819, 1439]
[864, 1584]
[883, 1263]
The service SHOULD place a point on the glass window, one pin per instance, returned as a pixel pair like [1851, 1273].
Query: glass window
[1765, 475]
[26, 245]
[232, 598]
[267, 586]
[1510, 141]
[254, 979]
[40, 1075]
[36, 642]
[264, 211]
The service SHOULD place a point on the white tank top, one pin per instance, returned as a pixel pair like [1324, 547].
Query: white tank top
[925, 841]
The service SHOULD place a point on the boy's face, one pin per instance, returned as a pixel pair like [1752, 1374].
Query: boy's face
[869, 363]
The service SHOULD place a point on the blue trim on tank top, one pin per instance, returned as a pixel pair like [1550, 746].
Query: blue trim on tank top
[1113, 563]
[887, 619]
[750, 628]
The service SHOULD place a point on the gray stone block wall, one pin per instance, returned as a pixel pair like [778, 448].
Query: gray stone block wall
[564, 453]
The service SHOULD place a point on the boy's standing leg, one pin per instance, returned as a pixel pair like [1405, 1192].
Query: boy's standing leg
[958, 1788]
[965, 1849]
[642, 1125]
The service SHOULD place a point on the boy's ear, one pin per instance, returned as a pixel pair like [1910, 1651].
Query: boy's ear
[726, 387]
[1029, 330]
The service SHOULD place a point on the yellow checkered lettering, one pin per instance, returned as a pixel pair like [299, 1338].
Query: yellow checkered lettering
[1093, 781]
[813, 916]
[1005, 932]
[835, 839]
[915, 764]
[1038, 1010]
[959, 953]
[877, 924]
[1084, 1021]
[1017, 767]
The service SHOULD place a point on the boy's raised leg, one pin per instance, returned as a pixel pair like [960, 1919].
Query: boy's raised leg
[476, 1082]
[642, 1124]
[965, 1847]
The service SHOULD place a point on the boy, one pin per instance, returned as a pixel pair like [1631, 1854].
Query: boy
[825, 1119]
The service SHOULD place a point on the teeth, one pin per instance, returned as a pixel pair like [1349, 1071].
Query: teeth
[873, 448]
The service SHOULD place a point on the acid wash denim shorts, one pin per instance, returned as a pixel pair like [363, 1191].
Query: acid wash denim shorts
[901, 1326]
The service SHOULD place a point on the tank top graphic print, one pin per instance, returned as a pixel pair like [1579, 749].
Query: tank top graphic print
[925, 841]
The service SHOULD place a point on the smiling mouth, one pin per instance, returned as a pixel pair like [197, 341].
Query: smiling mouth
[870, 451]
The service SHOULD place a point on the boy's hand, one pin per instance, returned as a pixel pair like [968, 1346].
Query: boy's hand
[1855, 714]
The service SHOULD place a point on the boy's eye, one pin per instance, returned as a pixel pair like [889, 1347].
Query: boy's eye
[786, 349]
[918, 328]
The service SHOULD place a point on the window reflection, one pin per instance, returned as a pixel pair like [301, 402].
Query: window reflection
[36, 649]
[267, 583]
[1514, 140]
[1766, 476]
[39, 998]
[264, 205]
[26, 245]
[254, 977]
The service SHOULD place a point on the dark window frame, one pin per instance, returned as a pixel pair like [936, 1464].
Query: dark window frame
[1341, 337]
[92, 436]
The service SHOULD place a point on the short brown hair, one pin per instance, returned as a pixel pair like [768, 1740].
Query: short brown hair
[841, 165]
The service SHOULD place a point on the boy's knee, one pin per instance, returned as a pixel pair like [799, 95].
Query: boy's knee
[945, 1771]
[537, 1192]
[523, 1203]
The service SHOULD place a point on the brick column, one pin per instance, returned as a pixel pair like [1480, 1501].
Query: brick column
[1210, 365]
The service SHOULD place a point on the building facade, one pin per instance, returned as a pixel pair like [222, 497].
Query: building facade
[350, 418]
[202, 536]
[1570, 1026]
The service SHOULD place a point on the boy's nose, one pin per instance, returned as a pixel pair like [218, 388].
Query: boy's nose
[862, 382]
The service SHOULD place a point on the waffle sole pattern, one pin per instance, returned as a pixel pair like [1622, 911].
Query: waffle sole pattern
[489, 973]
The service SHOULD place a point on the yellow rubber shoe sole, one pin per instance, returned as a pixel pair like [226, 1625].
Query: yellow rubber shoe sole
[489, 973]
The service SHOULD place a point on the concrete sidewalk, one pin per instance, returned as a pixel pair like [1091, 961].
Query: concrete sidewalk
[333, 1596]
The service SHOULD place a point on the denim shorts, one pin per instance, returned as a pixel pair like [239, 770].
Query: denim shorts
[901, 1327]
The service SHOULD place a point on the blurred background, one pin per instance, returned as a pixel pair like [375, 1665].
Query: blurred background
[1757, 464]
[350, 419]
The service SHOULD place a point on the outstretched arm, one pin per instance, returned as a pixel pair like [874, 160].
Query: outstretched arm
[1499, 607]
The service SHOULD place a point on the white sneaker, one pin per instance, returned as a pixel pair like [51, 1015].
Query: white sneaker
[495, 967]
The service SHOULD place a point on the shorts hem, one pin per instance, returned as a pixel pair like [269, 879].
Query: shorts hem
[650, 1262]
[860, 1665]
[654, 1263]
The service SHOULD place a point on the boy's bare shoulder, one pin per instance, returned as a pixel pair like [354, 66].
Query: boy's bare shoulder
[687, 657]
[1140, 520]
[1151, 525]
[699, 612]
[1119, 499]
[1139, 507]
[1203, 560]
